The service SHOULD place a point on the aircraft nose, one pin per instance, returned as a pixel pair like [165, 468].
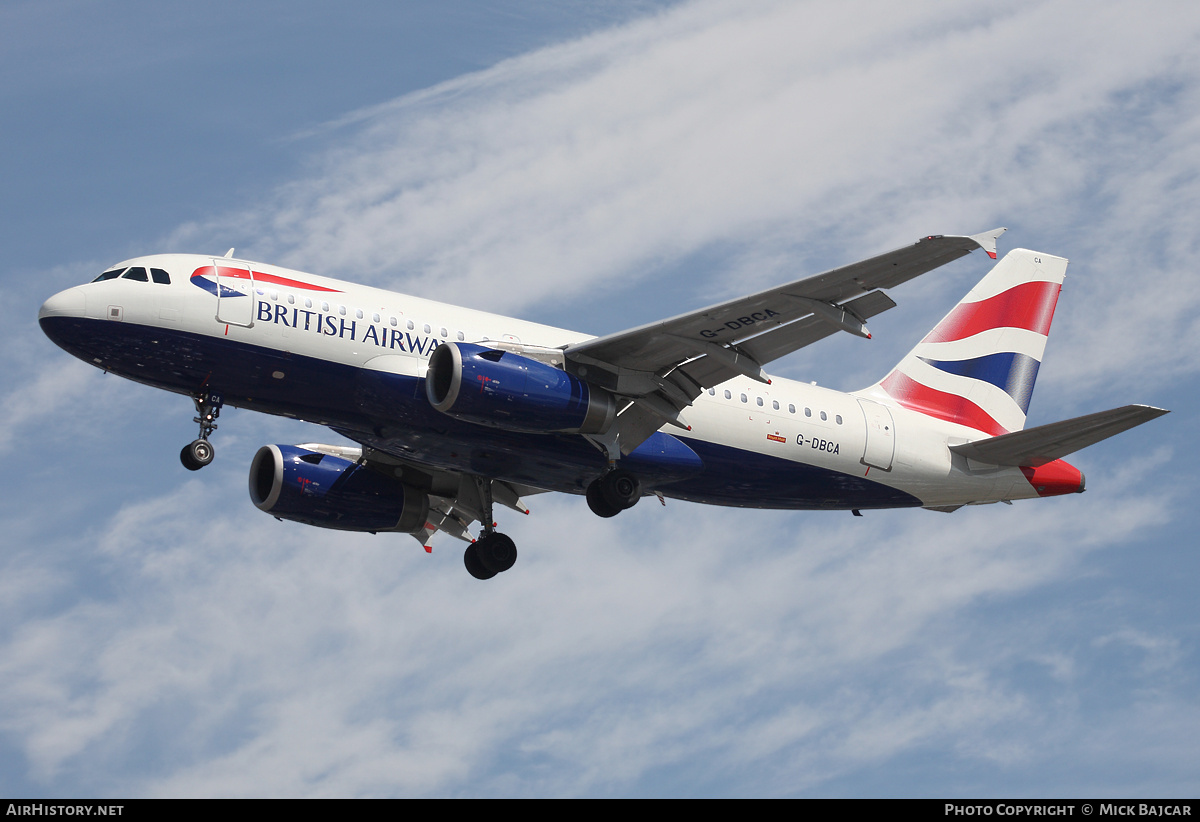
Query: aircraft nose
[69, 303]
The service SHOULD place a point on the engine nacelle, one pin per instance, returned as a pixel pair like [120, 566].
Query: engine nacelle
[306, 486]
[505, 390]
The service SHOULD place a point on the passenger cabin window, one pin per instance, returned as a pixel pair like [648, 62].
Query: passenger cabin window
[775, 404]
[138, 274]
[728, 395]
[759, 401]
[791, 408]
[159, 276]
[109, 275]
[461, 336]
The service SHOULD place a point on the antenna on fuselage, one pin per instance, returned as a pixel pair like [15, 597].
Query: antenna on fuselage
[229, 254]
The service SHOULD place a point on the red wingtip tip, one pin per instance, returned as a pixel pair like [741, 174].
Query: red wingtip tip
[768, 382]
[429, 549]
[992, 254]
[868, 335]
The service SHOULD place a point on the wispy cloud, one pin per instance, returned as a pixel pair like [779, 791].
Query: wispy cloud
[284, 660]
[772, 131]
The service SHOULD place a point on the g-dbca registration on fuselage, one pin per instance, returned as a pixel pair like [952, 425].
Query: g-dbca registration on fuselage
[456, 411]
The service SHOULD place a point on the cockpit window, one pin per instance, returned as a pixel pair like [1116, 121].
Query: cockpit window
[109, 275]
[161, 277]
[136, 273]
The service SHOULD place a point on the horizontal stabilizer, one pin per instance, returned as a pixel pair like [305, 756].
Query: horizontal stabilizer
[1047, 443]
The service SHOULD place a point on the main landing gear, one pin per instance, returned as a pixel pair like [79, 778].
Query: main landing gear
[493, 553]
[199, 452]
[612, 493]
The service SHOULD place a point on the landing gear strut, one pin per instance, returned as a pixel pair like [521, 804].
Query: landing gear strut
[199, 452]
[614, 492]
[493, 553]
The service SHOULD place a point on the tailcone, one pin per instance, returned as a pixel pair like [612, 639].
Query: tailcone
[1054, 478]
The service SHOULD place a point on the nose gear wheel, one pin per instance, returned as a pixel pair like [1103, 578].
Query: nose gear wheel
[197, 454]
[200, 452]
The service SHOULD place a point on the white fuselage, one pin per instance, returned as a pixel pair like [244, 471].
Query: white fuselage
[304, 317]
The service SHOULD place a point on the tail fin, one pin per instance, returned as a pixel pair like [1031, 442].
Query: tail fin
[978, 365]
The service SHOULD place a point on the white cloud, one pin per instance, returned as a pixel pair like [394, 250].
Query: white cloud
[281, 660]
[716, 123]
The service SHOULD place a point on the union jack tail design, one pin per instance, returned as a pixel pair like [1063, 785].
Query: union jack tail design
[978, 365]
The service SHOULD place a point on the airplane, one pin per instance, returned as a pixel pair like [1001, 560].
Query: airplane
[455, 411]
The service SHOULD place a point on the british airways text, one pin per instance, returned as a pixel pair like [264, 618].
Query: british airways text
[331, 326]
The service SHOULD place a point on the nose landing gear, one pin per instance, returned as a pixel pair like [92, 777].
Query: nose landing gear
[196, 454]
[200, 452]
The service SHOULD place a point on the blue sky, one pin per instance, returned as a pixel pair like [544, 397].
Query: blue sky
[596, 169]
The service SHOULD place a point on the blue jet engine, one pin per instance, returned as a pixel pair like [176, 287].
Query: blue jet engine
[501, 389]
[306, 486]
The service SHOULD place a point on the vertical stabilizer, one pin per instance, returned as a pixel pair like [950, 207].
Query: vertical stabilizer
[977, 367]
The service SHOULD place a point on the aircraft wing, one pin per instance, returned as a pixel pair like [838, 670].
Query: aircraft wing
[662, 366]
[1046, 443]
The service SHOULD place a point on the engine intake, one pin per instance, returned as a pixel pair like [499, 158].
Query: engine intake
[505, 390]
[306, 486]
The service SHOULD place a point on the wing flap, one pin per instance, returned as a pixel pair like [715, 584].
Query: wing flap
[780, 342]
[1046, 443]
